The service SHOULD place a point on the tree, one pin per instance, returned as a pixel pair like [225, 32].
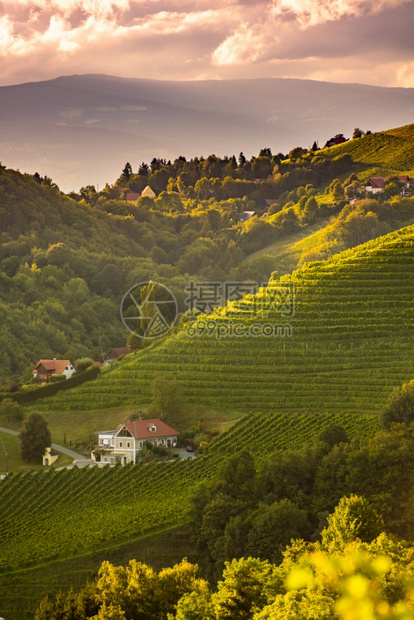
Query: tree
[59, 606]
[297, 153]
[83, 363]
[166, 396]
[34, 438]
[336, 190]
[273, 527]
[243, 588]
[353, 519]
[126, 173]
[11, 409]
[143, 169]
[333, 434]
[236, 478]
[242, 160]
[310, 210]
[358, 133]
[400, 405]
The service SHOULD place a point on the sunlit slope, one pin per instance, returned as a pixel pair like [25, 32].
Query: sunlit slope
[351, 343]
[391, 150]
[47, 515]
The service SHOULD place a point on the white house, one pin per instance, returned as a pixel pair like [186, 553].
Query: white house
[128, 439]
[376, 185]
[45, 368]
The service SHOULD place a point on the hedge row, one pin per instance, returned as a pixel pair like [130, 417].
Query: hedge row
[50, 389]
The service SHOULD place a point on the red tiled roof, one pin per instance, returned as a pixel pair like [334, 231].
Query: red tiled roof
[140, 429]
[336, 140]
[117, 352]
[378, 182]
[132, 196]
[55, 366]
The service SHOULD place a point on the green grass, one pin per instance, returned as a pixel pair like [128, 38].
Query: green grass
[10, 444]
[77, 428]
[385, 152]
[289, 245]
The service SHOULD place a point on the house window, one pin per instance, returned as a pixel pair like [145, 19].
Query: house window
[128, 444]
[141, 444]
[153, 428]
[120, 444]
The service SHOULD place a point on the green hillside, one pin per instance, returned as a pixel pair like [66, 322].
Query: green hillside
[350, 344]
[66, 261]
[100, 508]
[389, 152]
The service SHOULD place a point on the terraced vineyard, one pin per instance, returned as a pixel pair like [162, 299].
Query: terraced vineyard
[351, 342]
[46, 515]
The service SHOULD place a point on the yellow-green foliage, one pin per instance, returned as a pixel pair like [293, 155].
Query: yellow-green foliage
[360, 582]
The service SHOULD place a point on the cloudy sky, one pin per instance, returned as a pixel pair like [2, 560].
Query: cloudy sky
[365, 41]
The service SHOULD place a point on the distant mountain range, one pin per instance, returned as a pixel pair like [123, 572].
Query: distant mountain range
[82, 129]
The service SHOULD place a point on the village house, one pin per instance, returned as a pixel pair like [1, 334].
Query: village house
[132, 196]
[45, 368]
[114, 354]
[338, 139]
[147, 191]
[376, 185]
[124, 444]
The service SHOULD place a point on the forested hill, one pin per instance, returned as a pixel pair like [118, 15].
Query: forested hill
[66, 261]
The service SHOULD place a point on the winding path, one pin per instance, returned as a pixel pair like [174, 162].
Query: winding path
[73, 455]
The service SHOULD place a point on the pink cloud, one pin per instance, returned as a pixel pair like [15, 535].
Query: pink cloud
[184, 39]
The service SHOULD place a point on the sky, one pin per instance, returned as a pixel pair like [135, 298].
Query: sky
[365, 41]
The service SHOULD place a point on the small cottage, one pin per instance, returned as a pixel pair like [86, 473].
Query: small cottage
[114, 354]
[45, 368]
[148, 192]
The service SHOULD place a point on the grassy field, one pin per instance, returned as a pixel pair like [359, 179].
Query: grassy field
[10, 460]
[291, 246]
[385, 152]
[79, 427]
